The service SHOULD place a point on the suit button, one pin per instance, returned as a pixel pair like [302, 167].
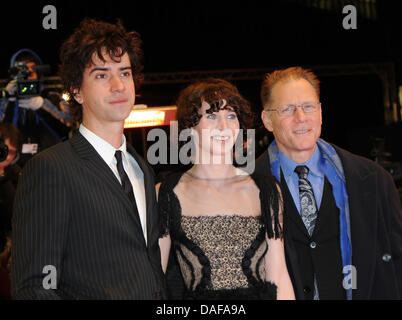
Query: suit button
[386, 257]
[156, 295]
[313, 245]
[306, 289]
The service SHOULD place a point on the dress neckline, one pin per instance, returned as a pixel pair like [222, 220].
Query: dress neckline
[221, 216]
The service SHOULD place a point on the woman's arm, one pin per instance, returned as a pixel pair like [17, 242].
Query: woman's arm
[276, 270]
[164, 245]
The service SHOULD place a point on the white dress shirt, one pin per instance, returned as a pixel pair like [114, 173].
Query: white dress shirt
[133, 170]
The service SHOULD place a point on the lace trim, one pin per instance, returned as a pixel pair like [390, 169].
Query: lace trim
[221, 216]
[178, 235]
[262, 291]
[250, 252]
[270, 201]
[190, 266]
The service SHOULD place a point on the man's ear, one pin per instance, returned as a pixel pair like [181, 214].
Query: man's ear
[77, 96]
[320, 116]
[266, 119]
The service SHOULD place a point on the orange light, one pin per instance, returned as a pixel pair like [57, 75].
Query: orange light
[150, 117]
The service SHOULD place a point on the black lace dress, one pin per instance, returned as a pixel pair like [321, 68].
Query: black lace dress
[221, 255]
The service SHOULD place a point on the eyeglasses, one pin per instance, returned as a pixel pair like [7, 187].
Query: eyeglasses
[288, 111]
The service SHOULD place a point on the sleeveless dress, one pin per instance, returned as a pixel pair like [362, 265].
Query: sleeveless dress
[221, 254]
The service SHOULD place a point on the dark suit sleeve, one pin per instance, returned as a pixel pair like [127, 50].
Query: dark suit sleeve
[40, 220]
[393, 215]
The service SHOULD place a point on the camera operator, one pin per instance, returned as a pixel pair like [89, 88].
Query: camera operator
[41, 115]
[10, 145]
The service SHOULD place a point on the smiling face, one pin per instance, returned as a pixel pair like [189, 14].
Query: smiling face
[296, 136]
[217, 131]
[107, 93]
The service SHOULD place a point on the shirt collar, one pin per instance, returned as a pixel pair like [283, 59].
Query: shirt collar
[104, 148]
[314, 164]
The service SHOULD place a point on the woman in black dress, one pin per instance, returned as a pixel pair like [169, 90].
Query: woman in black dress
[223, 224]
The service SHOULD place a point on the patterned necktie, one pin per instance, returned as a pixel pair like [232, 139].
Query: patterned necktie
[125, 181]
[308, 207]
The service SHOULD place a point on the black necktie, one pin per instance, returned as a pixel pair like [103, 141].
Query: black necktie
[308, 207]
[125, 181]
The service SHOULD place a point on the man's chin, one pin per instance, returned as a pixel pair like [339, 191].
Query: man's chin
[307, 148]
[122, 115]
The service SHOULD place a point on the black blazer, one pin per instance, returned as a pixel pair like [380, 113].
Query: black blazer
[376, 228]
[71, 212]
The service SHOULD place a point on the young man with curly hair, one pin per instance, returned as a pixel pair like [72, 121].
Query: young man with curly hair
[85, 212]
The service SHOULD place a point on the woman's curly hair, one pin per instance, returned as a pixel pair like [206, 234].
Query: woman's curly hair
[98, 37]
[213, 91]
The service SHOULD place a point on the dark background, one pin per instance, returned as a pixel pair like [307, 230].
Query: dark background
[246, 35]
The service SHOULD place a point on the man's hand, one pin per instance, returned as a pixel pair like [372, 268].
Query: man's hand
[32, 103]
[11, 87]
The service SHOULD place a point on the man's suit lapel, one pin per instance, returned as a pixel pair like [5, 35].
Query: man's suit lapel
[97, 166]
[361, 186]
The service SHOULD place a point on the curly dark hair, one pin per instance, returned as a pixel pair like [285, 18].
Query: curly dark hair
[213, 91]
[93, 36]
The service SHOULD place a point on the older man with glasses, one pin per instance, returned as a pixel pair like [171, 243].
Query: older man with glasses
[343, 217]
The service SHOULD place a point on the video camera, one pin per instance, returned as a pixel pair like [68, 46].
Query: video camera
[27, 88]
[19, 70]
[3, 150]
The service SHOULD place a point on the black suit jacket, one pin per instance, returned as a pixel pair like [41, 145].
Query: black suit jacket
[71, 212]
[376, 228]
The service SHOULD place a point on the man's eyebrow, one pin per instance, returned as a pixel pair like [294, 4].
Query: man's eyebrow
[108, 69]
[99, 69]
